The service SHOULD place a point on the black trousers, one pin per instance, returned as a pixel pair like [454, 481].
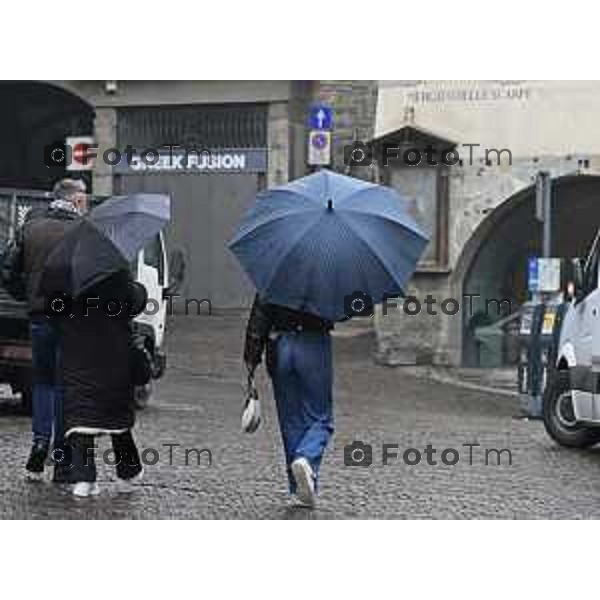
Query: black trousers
[125, 456]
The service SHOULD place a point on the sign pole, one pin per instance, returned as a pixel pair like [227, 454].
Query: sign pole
[547, 217]
[543, 209]
[544, 278]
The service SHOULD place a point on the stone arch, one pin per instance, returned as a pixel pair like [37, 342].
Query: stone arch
[34, 114]
[494, 257]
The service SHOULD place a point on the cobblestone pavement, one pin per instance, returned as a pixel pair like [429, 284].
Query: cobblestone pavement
[197, 405]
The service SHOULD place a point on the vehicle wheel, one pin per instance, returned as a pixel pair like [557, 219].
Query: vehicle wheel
[143, 395]
[559, 416]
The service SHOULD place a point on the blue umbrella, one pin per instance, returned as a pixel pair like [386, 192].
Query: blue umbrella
[313, 243]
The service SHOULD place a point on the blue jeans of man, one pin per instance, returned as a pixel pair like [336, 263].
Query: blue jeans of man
[302, 383]
[46, 379]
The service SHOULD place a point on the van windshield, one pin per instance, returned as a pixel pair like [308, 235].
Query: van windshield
[591, 266]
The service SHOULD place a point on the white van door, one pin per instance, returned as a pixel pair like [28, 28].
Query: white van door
[586, 374]
[152, 272]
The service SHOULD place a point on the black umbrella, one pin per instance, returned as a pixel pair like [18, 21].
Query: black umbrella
[104, 242]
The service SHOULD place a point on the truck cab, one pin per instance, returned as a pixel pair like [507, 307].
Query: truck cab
[150, 269]
[571, 409]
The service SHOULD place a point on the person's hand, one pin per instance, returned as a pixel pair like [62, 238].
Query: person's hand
[251, 413]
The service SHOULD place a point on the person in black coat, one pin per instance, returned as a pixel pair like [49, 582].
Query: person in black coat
[98, 378]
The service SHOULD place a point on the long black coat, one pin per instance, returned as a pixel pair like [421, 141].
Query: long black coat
[98, 387]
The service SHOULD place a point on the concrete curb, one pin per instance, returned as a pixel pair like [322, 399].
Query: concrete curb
[439, 377]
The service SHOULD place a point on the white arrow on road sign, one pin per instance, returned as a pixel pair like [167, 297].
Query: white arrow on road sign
[321, 117]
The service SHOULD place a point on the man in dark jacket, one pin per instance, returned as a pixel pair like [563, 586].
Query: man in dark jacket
[298, 349]
[22, 267]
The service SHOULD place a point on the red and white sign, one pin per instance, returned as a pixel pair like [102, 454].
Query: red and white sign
[78, 148]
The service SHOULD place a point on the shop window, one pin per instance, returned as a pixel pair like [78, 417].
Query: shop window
[203, 126]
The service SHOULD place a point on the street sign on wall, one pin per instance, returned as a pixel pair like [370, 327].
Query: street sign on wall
[319, 148]
[221, 160]
[320, 117]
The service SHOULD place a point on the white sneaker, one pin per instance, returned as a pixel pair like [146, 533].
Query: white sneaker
[83, 489]
[305, 482]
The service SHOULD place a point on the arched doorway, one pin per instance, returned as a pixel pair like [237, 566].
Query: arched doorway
[33, 115]
[493, 263]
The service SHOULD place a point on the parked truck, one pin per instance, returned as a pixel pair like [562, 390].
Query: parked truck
[150, 269]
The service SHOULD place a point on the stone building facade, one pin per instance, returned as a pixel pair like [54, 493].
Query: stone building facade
[251, 134]
[487, 220]
[480, 213]
[261, 122]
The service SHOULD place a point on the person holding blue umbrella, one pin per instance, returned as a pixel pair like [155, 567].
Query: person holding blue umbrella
[300, 366]
[319, 250]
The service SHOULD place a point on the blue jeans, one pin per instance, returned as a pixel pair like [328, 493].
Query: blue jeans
[47, 390]
[302, 382]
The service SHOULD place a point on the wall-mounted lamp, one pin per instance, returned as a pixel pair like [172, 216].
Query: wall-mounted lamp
[111, 87]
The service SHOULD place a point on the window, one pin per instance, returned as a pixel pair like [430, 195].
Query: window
[590, 275]
[206, 126]
[424, 185]
[425, 188]
[419, 187]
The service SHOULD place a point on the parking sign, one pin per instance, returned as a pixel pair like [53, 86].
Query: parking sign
[319, 148]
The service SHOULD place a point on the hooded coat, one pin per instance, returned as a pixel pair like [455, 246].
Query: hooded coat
[97, 370]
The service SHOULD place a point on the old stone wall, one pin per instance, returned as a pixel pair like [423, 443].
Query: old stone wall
[475, 193]
[354, 104]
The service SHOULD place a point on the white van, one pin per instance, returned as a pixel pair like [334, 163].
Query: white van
[572, 397]
[152, 271]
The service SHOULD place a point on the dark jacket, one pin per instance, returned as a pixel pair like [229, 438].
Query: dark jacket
[265, 318]
[97, 374]
[23, 262]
